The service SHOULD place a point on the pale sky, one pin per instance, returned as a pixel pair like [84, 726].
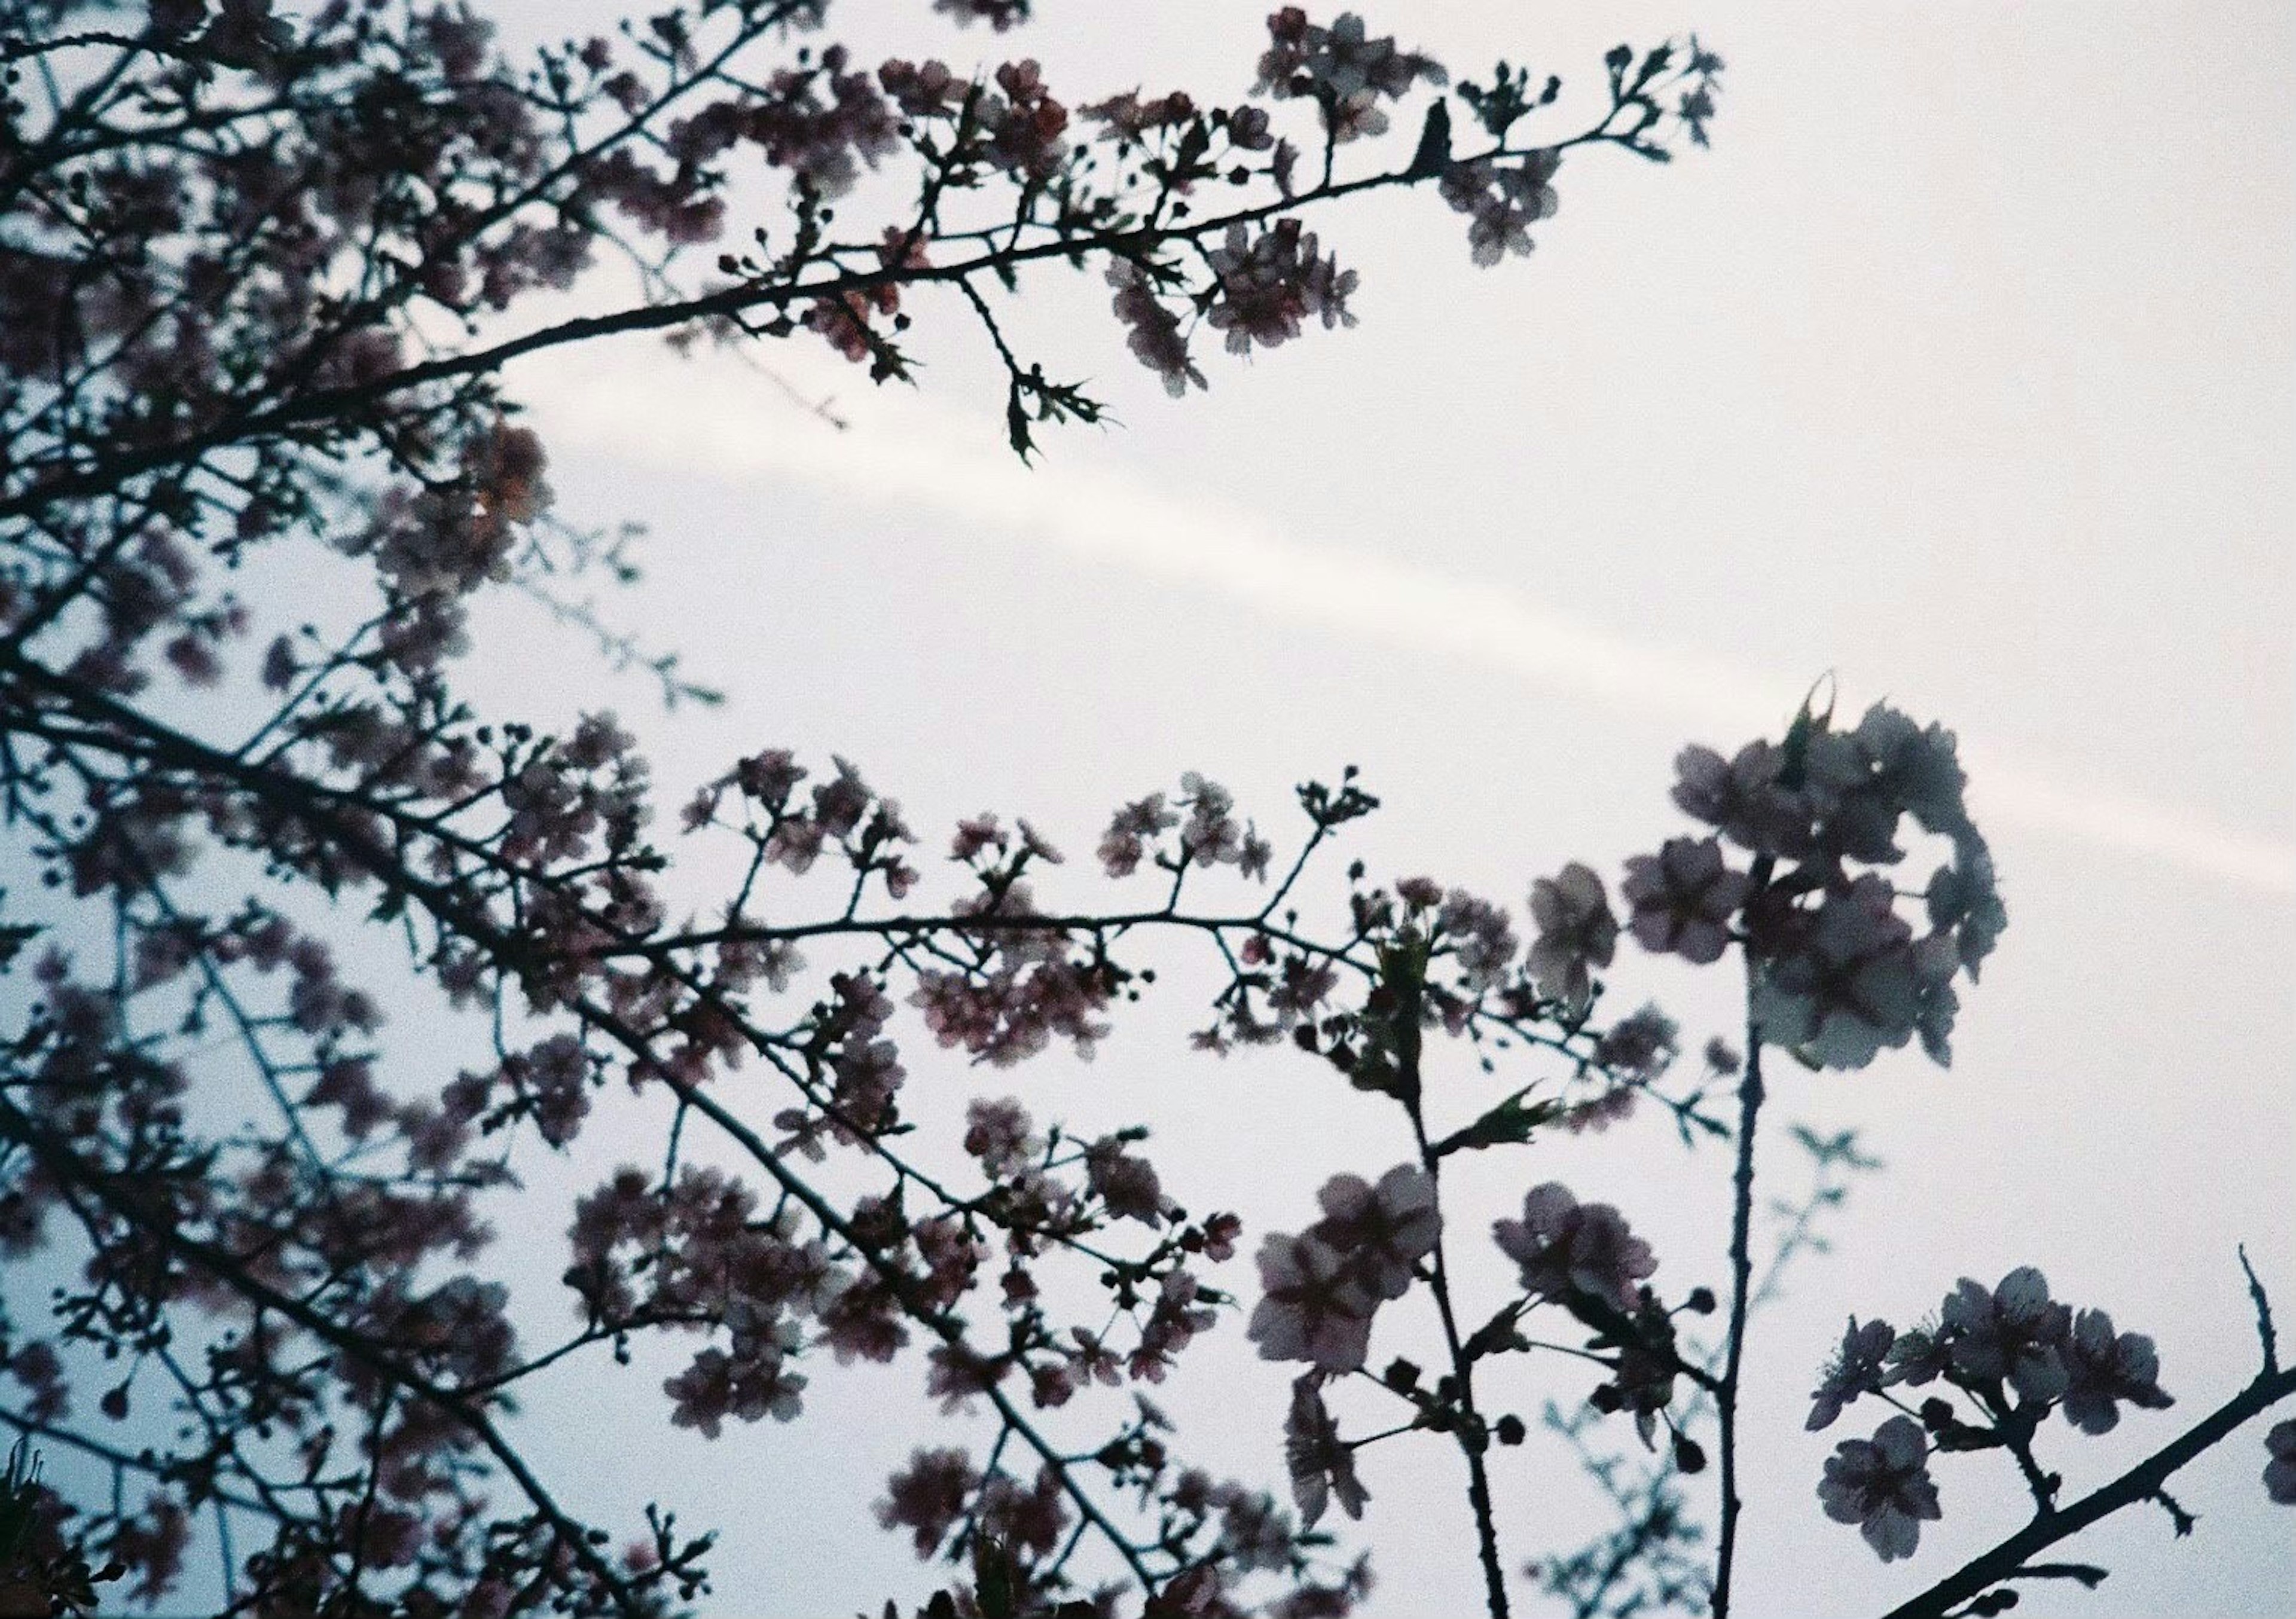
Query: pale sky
[1961, 367]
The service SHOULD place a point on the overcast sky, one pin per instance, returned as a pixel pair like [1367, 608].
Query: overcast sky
[1961, 367]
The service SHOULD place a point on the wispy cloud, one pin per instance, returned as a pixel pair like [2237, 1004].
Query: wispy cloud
[711, 419]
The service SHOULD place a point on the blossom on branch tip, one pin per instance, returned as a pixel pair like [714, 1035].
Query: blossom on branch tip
[1853, 980]
[1916, 767]
[955, 1373]
[1918, 1358]
[1343, 69]
[1740, 796]
[1131, 120]
[1000, 1134]
[1130, 831]
[751, 1384]
[1479, 935]
[1856, 1370]
[2103, 1367]
[1126, 1183]
[1576, 933]
[1503, 202]
[1030, 1520]
[1884, 1486]
[1312, 1307]
[1255, 1533]
[929, 1496]
[1681, 899]
[1565, 1246]
[1248, 129]
[1964, 899]
[1322, 1465]
[1153, 329]
[1382, 1230]
[2014, 1332]
[1839, 975]
[1267, 284]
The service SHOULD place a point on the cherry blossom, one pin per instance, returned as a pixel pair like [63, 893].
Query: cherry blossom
[929, 1496]
[1503, 201]
[1884, 1486]
[1565, 1246]
[2280, 1471]
[1322, 1465]
[2014, 1331]
[1380, 1231]
[1683, 898]
[1576, 932]
[2102, 1369]
[1856, 1370]
[1313, 1304]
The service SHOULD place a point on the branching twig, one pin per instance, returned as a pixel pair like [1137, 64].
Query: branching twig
[2142, 1482]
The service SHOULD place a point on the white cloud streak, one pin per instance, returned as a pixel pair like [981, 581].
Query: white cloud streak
[712, 420]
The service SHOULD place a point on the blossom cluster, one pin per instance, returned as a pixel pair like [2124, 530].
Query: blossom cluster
[1841, 972]
[1320, 1289]
[1502, 201]
[2013, 1353]
[1342, 69]
[1565, 1247]
[1583, 1258]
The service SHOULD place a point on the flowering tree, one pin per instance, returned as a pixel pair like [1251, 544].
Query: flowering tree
[258, 274]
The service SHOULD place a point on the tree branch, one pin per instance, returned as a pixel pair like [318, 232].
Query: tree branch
[2010, 1559]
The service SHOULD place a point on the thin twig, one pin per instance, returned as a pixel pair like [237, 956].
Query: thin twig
[1742, 1272]
[2264, 1333]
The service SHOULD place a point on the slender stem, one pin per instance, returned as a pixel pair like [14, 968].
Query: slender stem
[1742, 1272]
[1472, 1436]
[2265, 1336]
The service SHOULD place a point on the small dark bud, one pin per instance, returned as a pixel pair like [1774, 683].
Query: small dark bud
[1701, 1302]
[1401, 1374]
[1689, 1455]
[1508, 1429]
